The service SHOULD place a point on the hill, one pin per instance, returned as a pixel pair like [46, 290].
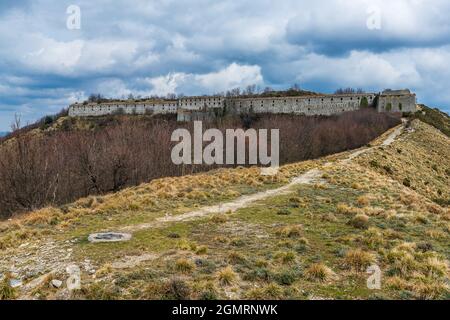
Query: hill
[434, 117]
[308, 232]
[64, 158]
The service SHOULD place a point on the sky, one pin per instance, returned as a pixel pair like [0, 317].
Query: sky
[54, 53]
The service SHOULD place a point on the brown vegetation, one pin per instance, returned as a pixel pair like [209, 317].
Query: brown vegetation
[75, 158]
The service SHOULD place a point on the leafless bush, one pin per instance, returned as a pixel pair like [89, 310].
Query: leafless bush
[63, 165]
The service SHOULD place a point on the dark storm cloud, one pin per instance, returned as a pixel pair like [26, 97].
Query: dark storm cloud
[205, 46]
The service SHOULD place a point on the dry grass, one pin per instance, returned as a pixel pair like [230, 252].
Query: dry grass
[343, 208]
[290, 231]
[226, 276]
[418, 166]
[363, 200]
[360, 221]
[236, 258]
[219, 218]
[201, 250]
[184, 265]
[287, 257]
[421, 288]
[268, 292]
[319, 272]
[358, 260]
[6, 291]
[187, 245]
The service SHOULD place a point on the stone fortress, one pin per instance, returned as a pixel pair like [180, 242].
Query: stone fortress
[198, 108]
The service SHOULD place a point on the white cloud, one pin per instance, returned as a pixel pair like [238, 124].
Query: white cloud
[359, 69]
[232, 76]
[337, 26]
[205, 46]
[167, 84]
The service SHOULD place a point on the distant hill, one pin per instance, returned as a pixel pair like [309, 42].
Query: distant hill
[3, 133]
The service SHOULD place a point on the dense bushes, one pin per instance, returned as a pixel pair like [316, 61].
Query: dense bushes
[63, 165]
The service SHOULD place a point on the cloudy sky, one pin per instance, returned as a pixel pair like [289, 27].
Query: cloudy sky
[147, 47]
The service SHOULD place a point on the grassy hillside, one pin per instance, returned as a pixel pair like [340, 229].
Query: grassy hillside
[434, 117]
[314, 242]
[420, 161]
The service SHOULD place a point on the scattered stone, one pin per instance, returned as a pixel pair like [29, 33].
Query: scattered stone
[56, 283]
[15, 283]
[109, 237]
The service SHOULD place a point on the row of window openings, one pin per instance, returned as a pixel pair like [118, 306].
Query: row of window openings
[240, 104]
[309, 100]
[285, 101]
[109, 108]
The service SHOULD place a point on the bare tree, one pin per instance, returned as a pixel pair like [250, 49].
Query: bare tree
[16, 125]
[64, 165]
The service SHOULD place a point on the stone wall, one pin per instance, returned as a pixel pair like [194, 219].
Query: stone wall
[397, 101]
[102, 109]
[197, 108]
[201, 103]
[307, 105]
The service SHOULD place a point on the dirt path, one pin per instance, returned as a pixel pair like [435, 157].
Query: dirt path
[242, 202]
[308, 177]
[50, 258]
[388, 141]
[391, 138]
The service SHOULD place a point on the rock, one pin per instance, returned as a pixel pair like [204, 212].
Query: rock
[109, 237]
[14, 283]
[56, 283]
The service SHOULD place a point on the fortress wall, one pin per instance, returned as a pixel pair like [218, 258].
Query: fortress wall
[397, 103]
[102, 109]
[313, 105]
[199, 103]
[191, 108]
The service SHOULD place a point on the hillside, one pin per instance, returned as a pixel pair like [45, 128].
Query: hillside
[70, 158]
[309, 232]
[434, 117]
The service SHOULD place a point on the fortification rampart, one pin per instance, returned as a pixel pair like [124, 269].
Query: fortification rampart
[306, 105]
[123, 107]
[197, 108]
